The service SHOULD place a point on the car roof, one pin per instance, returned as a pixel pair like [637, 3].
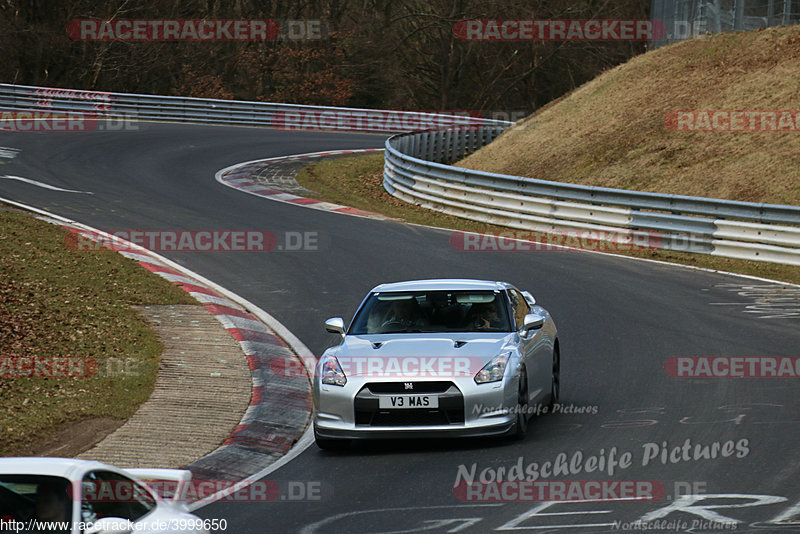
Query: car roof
[69, 468]
[443, 284]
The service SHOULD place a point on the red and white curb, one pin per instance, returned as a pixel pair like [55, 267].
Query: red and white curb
[275, 428]
[239, 176]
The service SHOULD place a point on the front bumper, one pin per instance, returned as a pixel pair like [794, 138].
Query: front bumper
[461, 412]
[336, 432]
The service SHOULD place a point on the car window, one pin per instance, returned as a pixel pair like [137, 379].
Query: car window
[39, 497]
[432, 311]
[109, 494]
[519, 307]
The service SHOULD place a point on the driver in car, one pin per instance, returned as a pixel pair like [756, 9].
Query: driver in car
[52, 506]
[406, 314]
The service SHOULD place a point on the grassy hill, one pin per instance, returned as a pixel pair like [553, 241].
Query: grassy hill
[613, 131]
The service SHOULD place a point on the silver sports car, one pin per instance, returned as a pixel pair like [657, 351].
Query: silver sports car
[437, 358]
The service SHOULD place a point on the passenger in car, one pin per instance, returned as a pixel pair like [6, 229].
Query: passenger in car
[487, 317]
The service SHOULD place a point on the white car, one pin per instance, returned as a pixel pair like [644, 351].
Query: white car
[85, 497]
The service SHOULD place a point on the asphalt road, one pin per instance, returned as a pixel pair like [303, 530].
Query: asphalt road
[618, 321]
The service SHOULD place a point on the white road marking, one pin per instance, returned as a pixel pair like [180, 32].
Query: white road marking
[7, 152]
[767, 301]
[536, 511]
[314, 527]
[44, 185]
[791, 516]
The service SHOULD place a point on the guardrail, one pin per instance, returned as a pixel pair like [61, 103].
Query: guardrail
[416, 171]
[24, 98]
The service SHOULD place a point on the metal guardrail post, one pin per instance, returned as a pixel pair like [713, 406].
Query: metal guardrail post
[459, 145]
[447, 153]
[738, 15]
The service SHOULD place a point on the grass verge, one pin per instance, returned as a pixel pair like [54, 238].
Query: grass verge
[59, 303]
[357, 181]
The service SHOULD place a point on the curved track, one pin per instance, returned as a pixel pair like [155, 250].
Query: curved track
[618, 321]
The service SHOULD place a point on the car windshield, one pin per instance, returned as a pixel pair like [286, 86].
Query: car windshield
[432, 311]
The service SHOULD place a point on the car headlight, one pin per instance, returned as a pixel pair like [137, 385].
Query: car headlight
[492, 371]
[332, 373]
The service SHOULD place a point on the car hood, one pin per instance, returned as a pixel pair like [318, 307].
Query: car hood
[420, 355]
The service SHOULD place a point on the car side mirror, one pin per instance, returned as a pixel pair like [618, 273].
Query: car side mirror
[335, 325]
[109, 525]
[532, 321]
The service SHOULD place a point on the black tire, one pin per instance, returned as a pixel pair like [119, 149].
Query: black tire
[555, 382]
[330, 444]
[520, 428]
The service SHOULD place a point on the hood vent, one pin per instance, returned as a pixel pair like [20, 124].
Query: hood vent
[459, 344]
[377, 345]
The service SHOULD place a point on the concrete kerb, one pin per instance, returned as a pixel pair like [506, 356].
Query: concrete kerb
[301, 437]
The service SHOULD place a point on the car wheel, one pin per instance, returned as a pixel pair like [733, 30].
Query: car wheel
[555, 383]
[329, 444]
[520, 428]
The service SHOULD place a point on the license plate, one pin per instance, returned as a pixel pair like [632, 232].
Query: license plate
[409, 401]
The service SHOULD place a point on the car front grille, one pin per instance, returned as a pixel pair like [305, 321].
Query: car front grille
[402, 387]
[449, 412]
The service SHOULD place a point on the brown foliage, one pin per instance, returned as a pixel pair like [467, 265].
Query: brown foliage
[381, 53]
[201, 85]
